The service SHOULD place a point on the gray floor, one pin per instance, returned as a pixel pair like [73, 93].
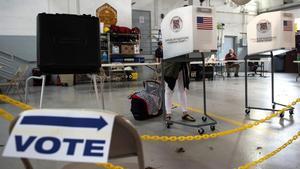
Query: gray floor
[225, 98]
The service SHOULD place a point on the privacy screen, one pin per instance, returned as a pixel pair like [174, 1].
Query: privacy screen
[68, 44]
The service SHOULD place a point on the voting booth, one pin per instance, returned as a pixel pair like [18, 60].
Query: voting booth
[187, 30]
[189, 34]
[269, 34]
[272, 31]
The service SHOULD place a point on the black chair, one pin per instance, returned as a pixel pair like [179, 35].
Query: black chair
[255, 66]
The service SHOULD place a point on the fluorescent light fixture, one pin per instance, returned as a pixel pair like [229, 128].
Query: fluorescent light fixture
[277, 52]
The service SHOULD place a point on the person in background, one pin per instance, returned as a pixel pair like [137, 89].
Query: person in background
[232, 56]
[159, 52]
[177, 73]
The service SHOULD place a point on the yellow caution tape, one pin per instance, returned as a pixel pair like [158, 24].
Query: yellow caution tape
[180, 138]
[218, 134]
[273, 153]
[23, 106]
[109, 166]
[16, 103]
[7, 116]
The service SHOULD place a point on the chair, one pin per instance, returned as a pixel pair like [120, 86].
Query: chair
[125, 142]
[17, 80]
[254, 66]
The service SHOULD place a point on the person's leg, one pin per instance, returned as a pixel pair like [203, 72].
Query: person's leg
[237, 68]
[228, 70]
[181, 93]
[168, 100]
[183, 98]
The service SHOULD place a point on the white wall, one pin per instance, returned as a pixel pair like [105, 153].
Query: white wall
[18, 17]
[123, 8]
[226, 13]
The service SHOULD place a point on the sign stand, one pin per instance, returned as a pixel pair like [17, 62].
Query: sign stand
[247, 107]
[43, 78]
[204, 118]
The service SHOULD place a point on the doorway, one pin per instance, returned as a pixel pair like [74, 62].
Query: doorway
[229, 43]
[142, 20]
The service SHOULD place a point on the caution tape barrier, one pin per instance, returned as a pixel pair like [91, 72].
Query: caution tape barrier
[109, 166]
[179, 138]
[273, 153]
[16, 103]
[5, 115]
[218, 134]
[23, 106]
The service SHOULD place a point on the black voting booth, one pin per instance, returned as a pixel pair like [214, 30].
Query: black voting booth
[67, 44]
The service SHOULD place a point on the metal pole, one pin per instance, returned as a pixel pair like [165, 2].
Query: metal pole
[163, 88]
[272, 76]
[102, 91]
[246, 83]
[42, 90]
[96, 89]
[204, 87]
[26, 88]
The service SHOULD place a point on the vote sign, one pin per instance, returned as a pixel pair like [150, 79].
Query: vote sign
[63, 135]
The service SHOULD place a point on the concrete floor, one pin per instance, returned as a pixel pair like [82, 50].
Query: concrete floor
[225, 98]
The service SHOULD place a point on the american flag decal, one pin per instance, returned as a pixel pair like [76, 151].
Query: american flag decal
[204, 23]
[287, 25]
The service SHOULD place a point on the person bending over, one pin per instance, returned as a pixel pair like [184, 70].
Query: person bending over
[232, 56]
[177, 74]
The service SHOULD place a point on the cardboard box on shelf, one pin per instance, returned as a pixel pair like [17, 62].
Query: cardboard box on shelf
[127, 49]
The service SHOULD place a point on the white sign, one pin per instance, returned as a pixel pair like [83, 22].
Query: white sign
[63, 135]
[187, 30]
[142, 19]
[264, 31]
[271, 31]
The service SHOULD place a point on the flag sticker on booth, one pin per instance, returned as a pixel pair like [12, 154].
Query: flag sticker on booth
[63, 135]
[204, 23]
[287, 25]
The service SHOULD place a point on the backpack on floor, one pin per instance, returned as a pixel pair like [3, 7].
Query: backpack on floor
[147, 103]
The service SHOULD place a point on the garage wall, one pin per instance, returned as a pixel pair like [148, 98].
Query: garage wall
[18, 20]
[229, 14]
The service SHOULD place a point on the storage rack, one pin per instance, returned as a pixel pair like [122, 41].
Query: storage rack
[108, 40]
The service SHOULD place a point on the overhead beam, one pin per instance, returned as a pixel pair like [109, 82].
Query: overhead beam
[290, 6]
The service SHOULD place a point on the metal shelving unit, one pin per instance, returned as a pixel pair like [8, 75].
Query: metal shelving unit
[110, 40]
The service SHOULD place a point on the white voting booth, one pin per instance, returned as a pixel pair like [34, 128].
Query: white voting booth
[187, 30]
[187, 34]
[272, 31]
[269, 34]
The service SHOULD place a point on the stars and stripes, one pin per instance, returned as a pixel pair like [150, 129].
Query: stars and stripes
[287, 25]
[204, 23]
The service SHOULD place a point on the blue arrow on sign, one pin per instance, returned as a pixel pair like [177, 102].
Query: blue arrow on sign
[98, 123]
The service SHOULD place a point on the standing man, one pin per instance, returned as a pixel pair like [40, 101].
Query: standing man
[159, 52]
[232, 56]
